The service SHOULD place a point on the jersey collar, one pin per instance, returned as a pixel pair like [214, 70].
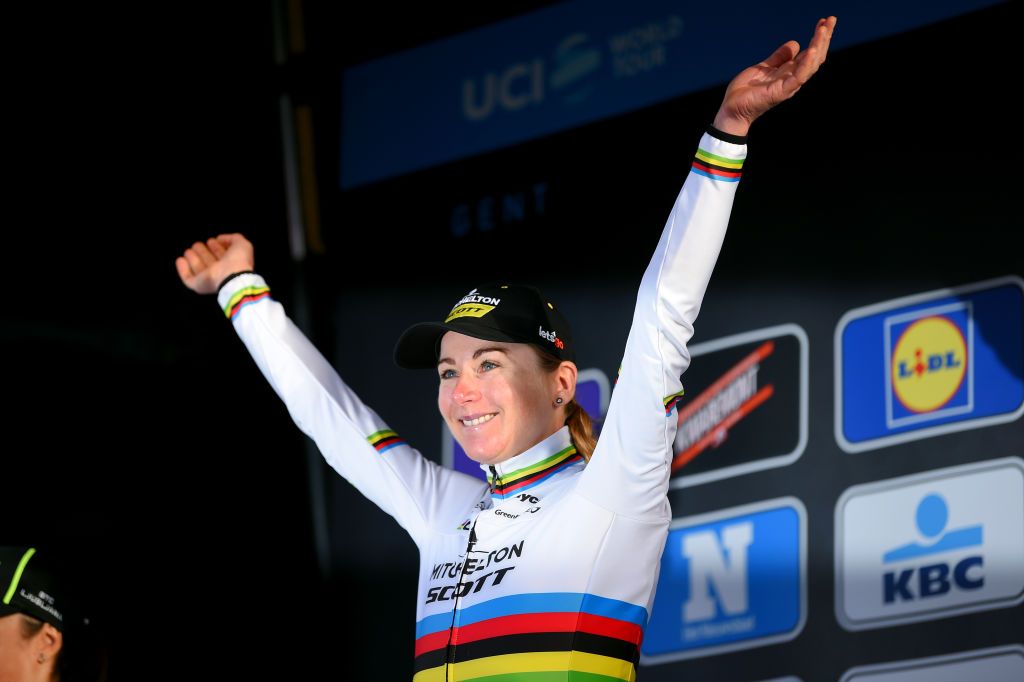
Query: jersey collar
[547, 458]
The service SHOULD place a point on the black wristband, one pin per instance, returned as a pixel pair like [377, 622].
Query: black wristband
[726, 137]
[232, 276]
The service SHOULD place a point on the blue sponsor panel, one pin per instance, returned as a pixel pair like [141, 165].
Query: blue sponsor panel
[571, 64]
[930, 364]
[931, 545]
[592, 391]
[730, 580]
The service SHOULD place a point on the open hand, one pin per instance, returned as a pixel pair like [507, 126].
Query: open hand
[759, 88]
[205, 265]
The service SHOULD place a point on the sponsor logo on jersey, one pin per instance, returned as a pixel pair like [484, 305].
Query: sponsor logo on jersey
[931, 545]
[730, 580]
[750, 407]
[493, 565]
[930, 364]
[995, 663]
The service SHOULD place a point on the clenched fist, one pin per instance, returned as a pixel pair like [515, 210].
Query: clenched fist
[205, 265]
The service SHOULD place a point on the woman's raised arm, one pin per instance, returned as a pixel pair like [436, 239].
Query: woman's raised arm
[629, 472]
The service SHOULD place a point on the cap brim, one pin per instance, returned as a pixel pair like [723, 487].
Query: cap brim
[418, 346]
[7, 610]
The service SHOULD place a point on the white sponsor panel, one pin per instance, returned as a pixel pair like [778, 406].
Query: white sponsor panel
[931, 545]
[997, 664]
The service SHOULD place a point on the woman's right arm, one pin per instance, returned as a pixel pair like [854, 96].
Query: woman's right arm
[353, 439]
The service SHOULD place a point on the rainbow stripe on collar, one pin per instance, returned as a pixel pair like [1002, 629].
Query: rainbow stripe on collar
[534, 474]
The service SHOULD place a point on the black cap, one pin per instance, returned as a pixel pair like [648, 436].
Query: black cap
[498, 312]
[26, 586]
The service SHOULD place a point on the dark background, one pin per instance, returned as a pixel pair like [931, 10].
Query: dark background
[146, 449]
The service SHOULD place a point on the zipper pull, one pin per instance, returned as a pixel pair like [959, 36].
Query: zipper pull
[494, 477]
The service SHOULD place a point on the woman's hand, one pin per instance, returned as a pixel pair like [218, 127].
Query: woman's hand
[759, 88]
[205, 265]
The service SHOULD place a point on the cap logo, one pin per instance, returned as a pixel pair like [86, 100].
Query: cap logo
[473, 297]
[473, 305]
[551, 336]
[469, 310]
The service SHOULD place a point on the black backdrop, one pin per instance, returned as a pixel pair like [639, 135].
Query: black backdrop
[145, 448]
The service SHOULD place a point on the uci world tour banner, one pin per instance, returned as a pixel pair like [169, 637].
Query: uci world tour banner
[571, 64]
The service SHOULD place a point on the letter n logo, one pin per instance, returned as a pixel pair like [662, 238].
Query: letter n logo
[718, 566]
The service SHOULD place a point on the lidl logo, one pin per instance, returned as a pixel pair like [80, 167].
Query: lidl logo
[930, 364]
[729, 580]
[930, 368]
[995, 664]
[931, 545]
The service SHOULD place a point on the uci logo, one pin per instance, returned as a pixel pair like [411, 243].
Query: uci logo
[929, 362]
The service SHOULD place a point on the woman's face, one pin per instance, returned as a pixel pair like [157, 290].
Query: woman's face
[495, 397]
[17, 652]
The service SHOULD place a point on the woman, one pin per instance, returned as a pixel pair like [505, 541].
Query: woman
[550, 567]
[40, 638]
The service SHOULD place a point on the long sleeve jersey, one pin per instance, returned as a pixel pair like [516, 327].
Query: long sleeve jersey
[547, 571]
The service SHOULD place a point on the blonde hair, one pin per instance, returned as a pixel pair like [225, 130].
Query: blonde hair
[581, 426]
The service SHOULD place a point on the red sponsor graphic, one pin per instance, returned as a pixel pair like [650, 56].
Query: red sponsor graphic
[706, 421]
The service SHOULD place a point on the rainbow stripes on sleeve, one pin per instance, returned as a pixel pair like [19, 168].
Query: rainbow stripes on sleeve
[244, 297]
[541, 637]
[673, 400]
[716, 167]
[533, 475]
[385, 440]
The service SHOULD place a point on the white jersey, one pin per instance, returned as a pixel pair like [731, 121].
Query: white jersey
[548, 571]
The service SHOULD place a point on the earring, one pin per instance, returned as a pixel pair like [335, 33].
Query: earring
[558, 400]
[41, 658]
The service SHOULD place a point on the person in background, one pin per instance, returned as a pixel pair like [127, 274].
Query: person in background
[41, 640]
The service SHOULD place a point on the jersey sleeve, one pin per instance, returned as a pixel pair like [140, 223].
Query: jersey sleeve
[629, 471]
[421, 495]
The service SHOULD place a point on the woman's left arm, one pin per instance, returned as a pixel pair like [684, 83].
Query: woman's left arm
[630, 469]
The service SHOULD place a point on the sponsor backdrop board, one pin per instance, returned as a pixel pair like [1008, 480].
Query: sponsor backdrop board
[930, 363]
[846, 479]
[746, 406]
[931, 545]
[730, 580]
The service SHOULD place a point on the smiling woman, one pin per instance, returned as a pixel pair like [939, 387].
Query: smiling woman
[495, 399]
[546, 571]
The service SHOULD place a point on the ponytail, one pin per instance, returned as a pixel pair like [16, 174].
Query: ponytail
[581, 429]
[581, 426]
